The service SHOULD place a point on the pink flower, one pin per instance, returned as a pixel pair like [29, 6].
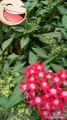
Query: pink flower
[40, 66]
[23, 87]
[30, 79]
[64, 94]
[32, 86]
[53, 91]
[30, 70]
[63, 73]
[57, 103]
[36, 101]
[65, 82]
[57, 79]
[41, 74]
[46, 91]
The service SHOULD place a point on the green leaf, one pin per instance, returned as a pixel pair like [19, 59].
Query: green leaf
[32, 58]
[24, 42]
[63, 31]
[17, 67]
[13, 56]
[18, 28]
[40, 52]
[6, 67]
[15, 98]
[31, 5]
[47, 67]
[62, 10]
[56, 67]
[3, 101]
[45, 2]
[49, 60]
[53, 34]
[1, 36]
[64, 21]
[43, 37]
[64, 61]
[30, 27]
[7, 43]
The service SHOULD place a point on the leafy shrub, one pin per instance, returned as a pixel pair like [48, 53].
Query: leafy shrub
[42, 37]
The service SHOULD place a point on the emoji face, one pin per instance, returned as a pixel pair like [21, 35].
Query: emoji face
[12, 12]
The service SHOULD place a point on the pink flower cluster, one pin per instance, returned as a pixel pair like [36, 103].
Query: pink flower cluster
[45, 90]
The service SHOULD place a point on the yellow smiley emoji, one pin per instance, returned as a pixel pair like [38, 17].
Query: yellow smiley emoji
[12, 12]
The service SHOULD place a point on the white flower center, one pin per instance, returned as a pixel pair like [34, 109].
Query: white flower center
[39, 67]
[41, 74]
[58, 112]
[64, 93]
[63, 75]
[44, 84]
[45, 113]
[47, 106]
[24, 87]
[32, 86]
[38, 100]
[53, 91]
[56, 79]
[32, 78]
[46, 95]
[33, 94]
[65, 82]
[31, 71]
[48, 76]
[56, 101]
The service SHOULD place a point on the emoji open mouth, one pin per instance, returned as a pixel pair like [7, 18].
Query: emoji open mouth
[13, 16]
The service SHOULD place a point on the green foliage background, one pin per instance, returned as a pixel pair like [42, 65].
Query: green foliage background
[42, 37]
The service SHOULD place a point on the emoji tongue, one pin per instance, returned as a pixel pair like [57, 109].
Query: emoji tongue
[13, 17]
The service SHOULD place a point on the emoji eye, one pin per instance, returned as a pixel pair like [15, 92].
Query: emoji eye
[3, 5]
[23, 6]
[9, 4]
